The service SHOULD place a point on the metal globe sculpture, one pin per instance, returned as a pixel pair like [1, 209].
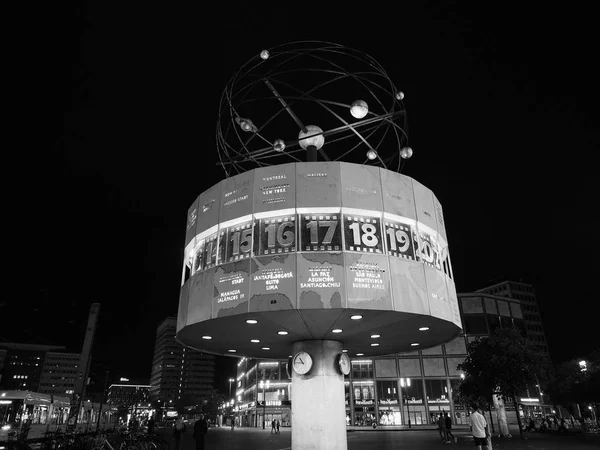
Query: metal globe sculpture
[279, 91]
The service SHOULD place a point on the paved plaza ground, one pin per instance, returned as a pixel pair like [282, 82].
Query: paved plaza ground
[259, 439]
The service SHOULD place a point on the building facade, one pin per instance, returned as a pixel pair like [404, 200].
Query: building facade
[179, 373]
[403, 389]
[59, 373]
[128, 394]
[534, 327]
[39, 368]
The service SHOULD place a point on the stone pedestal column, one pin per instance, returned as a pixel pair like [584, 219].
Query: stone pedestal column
[318, 410]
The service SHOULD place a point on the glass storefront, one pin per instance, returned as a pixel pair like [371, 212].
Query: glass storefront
[388, 402]
[413, 401]
[438, 400]
[364, 402]
[389, 415]
[368, 400]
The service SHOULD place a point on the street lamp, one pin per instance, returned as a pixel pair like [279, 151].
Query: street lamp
[231, 380]
[262, 385]
[406, 382]
[583, 366]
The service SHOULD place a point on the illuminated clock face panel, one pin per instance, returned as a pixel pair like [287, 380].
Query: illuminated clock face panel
[321, 232]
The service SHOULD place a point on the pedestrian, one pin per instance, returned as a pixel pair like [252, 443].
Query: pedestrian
[178, 429]
[200, 430]
[449, 434]
[278, 424]
[273, 430]
[151, 425]
[442, 427]
[530, 425]
[562, 427]
[479, 428]
[232, 423]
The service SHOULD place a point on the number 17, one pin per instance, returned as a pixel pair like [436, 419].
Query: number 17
[314, 233]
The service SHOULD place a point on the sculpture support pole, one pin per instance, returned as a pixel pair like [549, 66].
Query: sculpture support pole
[311, 153]
[318, 411]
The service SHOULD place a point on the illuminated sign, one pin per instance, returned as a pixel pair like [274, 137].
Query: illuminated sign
[235, 242]
[400, 240]
[231, 287]
[367, 275]
[320, 232]
[438, 400]
[321, 280]
[288, 231]
[209, 252]
[275, 235]
[274, 403]
[362, 233]
[273, 283]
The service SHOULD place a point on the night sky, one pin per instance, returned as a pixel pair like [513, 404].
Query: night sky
[119, 103]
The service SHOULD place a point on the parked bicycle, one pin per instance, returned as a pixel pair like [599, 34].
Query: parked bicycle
[126, 443]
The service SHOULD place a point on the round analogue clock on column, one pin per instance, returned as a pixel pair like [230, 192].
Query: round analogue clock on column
[302, 362]
[344, 363]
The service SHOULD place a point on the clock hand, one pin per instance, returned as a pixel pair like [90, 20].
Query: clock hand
[301, 360]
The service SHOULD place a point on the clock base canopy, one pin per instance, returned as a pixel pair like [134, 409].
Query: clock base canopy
[299, 251]
[318, 398]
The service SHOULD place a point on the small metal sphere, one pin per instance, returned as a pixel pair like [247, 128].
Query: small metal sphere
[316, 141]
[279, 145]
[264, 54]
[359, 109]
[371, 154]
[399, 95]
[406, 152]
[246, 124]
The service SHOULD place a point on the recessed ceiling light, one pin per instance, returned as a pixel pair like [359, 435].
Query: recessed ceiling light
[356, 317]
[414, 344]
[254, 340]
[374, 345]
[345, 351]
[266, 348]
[283, 333]
[337, 330]
[232, 350]
[423, 328]
[359, 354]
[375, 336]
[206, 337]
[251, 321]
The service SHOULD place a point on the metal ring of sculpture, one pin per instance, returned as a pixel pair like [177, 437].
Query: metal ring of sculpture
[354, 111]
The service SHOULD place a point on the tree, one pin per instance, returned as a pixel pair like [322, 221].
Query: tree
[502, 364]
[471, 391]
[571, 384]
